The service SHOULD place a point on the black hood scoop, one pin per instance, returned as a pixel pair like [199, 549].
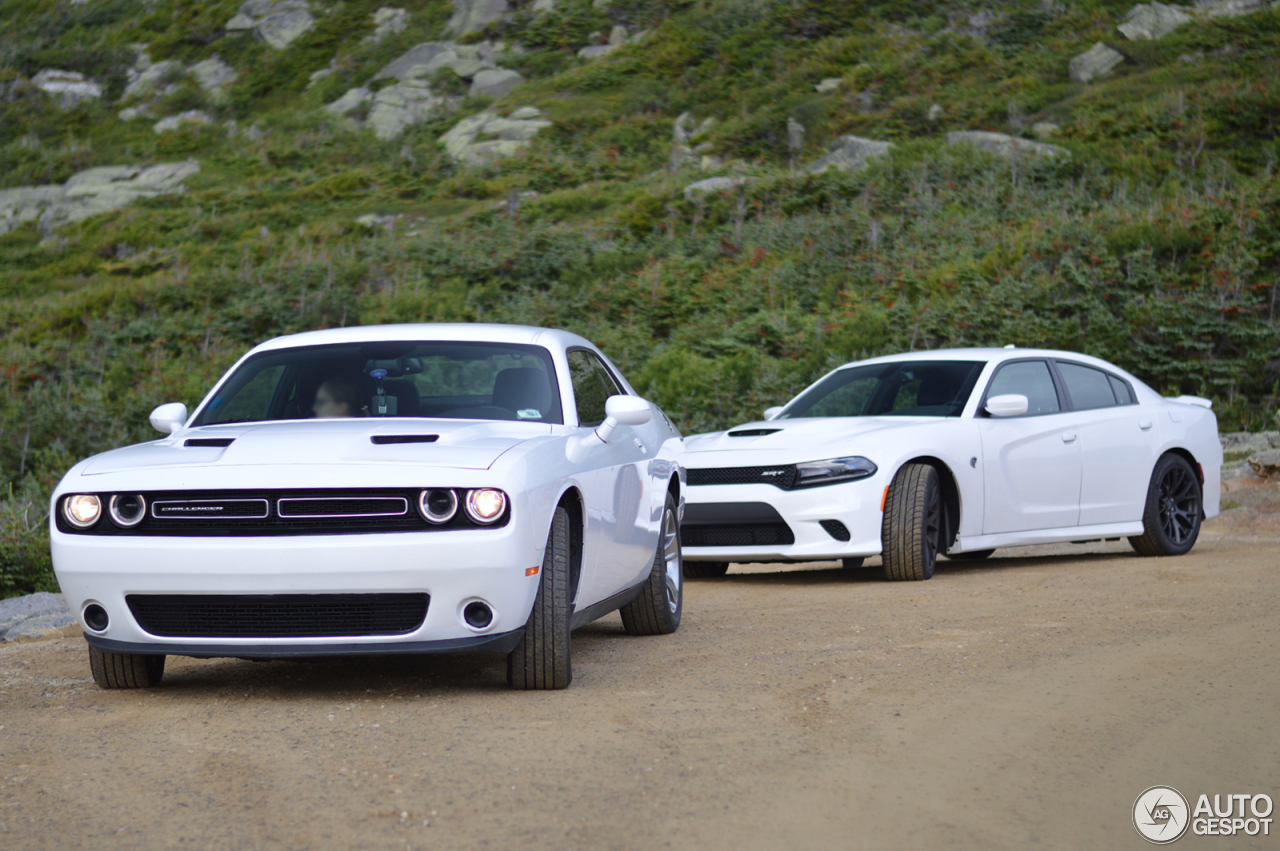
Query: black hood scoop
[381, 439]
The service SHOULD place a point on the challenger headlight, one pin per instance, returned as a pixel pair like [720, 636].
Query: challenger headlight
[832, 471]
[82, 510]
[438, 506]
[485, 505]
[127, 509]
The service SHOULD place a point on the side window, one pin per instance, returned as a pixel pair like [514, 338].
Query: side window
[1031, 379]
[592, 385]
[1123, 395]
[1088, 388]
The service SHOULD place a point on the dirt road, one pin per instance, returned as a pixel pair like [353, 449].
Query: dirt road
[1022, 702]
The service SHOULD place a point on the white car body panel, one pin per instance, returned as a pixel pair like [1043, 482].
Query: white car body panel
[622, 486]
[1064, 476]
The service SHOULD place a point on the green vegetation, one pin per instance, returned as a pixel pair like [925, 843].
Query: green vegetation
[1156, 244]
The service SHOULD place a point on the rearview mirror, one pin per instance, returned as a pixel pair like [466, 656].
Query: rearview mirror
[169, 418]
[770, 413]
[623, 410]
[1009, 405]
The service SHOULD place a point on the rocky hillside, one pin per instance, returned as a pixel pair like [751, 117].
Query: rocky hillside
[730, 195]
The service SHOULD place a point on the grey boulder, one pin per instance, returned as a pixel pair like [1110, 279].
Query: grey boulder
[472, 15]
[214, 76]
[67, 87]
[1097, 61]
[89, 193]
[488, 136]
[176, 122]
[496, 82]
[276, 22]
[29, 616]
[850, 153]
[1002, 145]
[1152, 21]
[712, 185]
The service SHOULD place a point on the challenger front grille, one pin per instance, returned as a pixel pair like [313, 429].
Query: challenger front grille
[779, 475]
[736, 535]
[278, 615]
[281, 512]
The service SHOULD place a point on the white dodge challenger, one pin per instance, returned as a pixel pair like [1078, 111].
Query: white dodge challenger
[390, 489]
[957, 452]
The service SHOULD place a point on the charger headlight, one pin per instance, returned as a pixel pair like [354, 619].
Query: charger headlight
[832, 471]
[82, 510]
[485, 505]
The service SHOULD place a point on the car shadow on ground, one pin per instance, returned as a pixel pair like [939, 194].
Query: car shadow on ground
[345, 678]
[832, 573]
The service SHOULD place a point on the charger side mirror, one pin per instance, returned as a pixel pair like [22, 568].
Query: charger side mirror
[1009, 405]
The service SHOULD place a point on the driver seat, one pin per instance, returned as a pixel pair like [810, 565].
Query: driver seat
[522, 388]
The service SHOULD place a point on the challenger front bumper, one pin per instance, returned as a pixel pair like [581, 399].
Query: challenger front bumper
[454, 568]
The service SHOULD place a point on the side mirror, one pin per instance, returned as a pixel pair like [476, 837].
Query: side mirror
[770, 413]
[169, 418]
[1011, 405]
[623, 410]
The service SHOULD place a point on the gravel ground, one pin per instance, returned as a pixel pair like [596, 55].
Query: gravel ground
[1024, 701]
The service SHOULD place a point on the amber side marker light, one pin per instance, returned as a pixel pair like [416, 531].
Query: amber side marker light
[531, 571]
[884, 498]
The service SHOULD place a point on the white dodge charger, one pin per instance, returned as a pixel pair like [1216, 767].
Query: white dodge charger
[391, 489]
[956, 452]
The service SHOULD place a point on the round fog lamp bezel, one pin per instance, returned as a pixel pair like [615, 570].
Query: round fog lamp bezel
[114, 512]
[424, 509]
[72, 519]
[473, 512]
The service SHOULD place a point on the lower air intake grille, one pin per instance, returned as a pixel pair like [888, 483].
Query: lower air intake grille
[278, 615]
[835, 529]
[736, 535]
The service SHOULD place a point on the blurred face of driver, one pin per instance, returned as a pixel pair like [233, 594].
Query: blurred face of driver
[327, 407]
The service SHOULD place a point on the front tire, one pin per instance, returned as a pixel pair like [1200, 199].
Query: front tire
[125, 670]
[542, 659]
[1171, 519]
[912, 524]
[657, 610]
[705, 569]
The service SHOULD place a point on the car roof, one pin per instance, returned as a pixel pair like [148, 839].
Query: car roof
[430, 332]
[985, 354]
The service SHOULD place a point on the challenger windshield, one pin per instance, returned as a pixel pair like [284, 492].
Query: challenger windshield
[906, 389]
[480, 381]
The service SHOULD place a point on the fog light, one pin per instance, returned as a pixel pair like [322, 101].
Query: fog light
[95, 617]
[127, 509]
[82, 510]
[477, 615]
[485, 505]
[438, 506]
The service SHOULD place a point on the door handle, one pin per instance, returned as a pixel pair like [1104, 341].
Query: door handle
[1144, 425]
[1068, 437]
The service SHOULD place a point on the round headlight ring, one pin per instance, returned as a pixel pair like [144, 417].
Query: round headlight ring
[127, 509]
[485, 505]
[82, 510]
[438, 506]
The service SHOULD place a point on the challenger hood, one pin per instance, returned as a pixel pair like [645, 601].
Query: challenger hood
[464, 444]
[810, 435]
